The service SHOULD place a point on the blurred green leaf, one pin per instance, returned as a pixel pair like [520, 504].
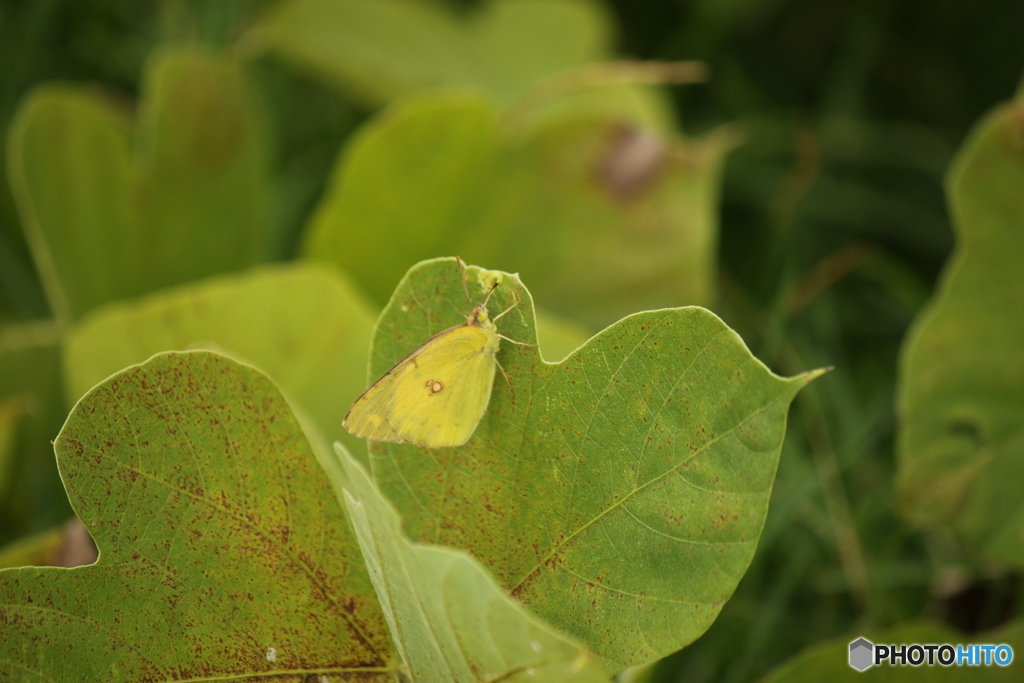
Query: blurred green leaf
[110, 218]
[407, 187]
[450, 620]
[39, 549]
[34, 497]
[208, 189]
[644, 673]
[223, 550]
[829, 661]
[11, 412]
[70, 168]
[962, 374]
[558, 337]
[380, 49]
[603, 217]
[570, 98]
[67, 545]
[303, 324]
[21, 294]
[619, 494]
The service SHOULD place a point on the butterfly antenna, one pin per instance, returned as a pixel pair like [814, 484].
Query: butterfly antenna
[489, 292]
[517, 302]
[495, 319]
[462, 273]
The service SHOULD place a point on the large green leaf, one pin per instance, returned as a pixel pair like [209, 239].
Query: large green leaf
[380, 49]
[223, 551]
[829, 661]
[33, 497]
[603, 218]
[450, 620]
[109, 217]
[961, 396]
[302, 324]
[619, 494]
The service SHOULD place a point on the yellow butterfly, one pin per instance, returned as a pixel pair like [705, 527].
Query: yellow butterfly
[435, 396]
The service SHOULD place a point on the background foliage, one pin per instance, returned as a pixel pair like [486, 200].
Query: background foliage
[806, 192]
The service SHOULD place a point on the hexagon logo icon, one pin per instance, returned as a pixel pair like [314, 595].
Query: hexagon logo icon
[862, 654]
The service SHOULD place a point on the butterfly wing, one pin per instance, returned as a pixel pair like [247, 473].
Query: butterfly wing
[435, 396]
[367, 418]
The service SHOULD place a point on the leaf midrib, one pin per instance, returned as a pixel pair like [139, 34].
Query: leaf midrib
[269, 537]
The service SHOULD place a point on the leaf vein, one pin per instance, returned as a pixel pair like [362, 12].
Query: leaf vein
[632, 493]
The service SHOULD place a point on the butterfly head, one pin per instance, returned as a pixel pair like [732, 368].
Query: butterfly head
[479, 317]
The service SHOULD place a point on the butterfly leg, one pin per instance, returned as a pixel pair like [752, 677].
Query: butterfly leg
[505, 375]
